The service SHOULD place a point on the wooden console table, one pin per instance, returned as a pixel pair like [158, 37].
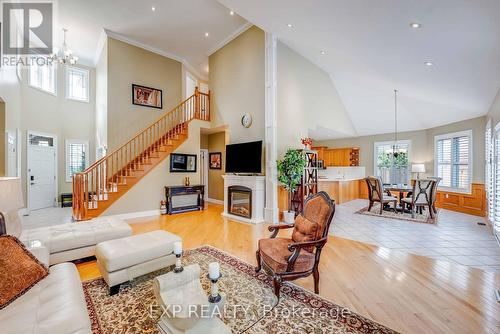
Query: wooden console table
[175, 192]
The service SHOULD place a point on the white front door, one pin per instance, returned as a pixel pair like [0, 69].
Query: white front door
[41, 171]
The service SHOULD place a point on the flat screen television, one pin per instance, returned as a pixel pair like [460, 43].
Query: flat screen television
[244, 158]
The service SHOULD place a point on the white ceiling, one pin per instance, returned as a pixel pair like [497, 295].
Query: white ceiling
[371, 50]
[175, 27]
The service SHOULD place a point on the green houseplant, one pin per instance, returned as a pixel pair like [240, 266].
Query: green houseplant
[290, 171]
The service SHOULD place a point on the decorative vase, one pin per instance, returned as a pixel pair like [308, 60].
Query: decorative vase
[186, 181]
[289, 216]
[163, 207]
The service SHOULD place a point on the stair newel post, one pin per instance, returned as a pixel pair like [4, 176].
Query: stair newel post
[208, 107]
[197, 102]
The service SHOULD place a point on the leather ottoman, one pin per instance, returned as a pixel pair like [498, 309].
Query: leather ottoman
[124, 259]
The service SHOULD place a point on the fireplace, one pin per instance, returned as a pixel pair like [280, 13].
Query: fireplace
[240, 201]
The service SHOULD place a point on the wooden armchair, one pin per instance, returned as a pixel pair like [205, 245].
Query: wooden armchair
[376, 193]
[287, 259]
[434, 192]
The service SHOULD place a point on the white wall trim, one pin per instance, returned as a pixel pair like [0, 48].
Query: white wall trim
[138, 214]
[235, 34]
[160, 52]
[100, 47]
[214, 201]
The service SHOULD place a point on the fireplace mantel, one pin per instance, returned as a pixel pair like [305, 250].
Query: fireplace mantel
[257, 185]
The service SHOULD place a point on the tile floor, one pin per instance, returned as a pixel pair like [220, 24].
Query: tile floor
[455, 237]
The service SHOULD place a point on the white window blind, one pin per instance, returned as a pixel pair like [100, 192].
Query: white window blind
[77, 157]
[43, 77]
[453, 160]
[489, 169]
[496, 173]
[77, 84]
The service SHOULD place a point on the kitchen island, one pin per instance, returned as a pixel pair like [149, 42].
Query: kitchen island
[342, 190]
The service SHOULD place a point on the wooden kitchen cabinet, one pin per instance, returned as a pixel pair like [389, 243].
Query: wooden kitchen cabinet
[338, 157]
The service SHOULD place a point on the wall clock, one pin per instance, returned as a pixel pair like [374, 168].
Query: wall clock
[246, 120]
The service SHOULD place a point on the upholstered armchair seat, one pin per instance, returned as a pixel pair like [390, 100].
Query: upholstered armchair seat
[275, 253]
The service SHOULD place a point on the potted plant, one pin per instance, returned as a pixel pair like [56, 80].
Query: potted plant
[290, 171]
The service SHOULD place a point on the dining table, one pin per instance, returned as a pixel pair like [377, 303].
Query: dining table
[399, 188]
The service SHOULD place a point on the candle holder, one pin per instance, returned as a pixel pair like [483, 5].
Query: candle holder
[178, 263]
[214, 296]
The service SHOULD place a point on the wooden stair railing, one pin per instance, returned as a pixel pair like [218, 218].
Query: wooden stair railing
[98, 186]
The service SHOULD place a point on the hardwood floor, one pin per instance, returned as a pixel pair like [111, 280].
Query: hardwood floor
[406, 292]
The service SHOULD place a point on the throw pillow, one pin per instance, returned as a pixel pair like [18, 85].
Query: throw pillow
[21, 270]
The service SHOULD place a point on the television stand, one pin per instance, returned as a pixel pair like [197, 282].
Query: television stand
[183, 199]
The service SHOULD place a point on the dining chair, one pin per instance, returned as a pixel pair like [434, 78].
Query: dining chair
[434, 193]
[422, 196]
[376, 193]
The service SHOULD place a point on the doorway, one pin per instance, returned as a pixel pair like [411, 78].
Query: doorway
[204, 171]
[41, 170]
[191, 84]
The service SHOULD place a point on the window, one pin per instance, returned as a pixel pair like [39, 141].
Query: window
[77, 157]
[43, 77]
[391, 161]
[77, 84]
[453, 160]
[496, 177]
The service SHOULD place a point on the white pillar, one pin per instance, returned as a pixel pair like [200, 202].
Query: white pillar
[271, 120]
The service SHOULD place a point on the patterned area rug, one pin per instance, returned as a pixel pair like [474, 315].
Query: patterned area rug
[250, 306]
[419, 218]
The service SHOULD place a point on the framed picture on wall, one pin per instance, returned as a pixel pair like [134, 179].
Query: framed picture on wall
[147, 96]
[215, 160]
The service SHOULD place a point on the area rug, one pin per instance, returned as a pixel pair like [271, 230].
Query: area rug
[298, 311]
[419, 218]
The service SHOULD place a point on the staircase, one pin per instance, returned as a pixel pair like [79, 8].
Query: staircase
[103, 183]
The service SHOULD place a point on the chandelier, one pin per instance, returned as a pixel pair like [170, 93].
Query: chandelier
[64, 55]
[395, 148]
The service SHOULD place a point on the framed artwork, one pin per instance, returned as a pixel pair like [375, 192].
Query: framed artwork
[182, 163]
[147, 96]
[215, 160]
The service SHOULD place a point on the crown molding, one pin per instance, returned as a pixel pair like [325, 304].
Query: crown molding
[235, 34]
[160, 52]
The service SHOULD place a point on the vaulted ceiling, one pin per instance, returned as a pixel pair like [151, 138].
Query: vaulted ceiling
[370, 50]
[174, 27]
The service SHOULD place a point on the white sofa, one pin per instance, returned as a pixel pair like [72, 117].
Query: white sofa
[55, 305]
[72, 241]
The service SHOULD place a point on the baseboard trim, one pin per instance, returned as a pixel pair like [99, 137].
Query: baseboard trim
[215, 201]
[138, 214]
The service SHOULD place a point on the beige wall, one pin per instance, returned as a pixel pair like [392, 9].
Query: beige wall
[2, 138]
[307, 98]
[204, 141]
[147, 194]
[237, 85]
[422, 145]
[217, 143]
[127, 65]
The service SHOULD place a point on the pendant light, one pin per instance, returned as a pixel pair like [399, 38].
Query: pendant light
[64, 55]
[395, 148]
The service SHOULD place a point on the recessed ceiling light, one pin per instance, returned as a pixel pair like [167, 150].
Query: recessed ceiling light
[289, 25]
[206, 34]
[323, 52]
[428, 63]
[153, 8]
[415, 25]
[231, 13]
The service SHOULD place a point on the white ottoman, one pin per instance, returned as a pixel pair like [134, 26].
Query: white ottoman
[124, 259]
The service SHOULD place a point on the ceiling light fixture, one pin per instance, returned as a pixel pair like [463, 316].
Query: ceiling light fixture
[289, 25]
[323, 52]
[428, 63]
[153, 8]
[415, 25]
[231, 13]
[64, 55]
[206, 34]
